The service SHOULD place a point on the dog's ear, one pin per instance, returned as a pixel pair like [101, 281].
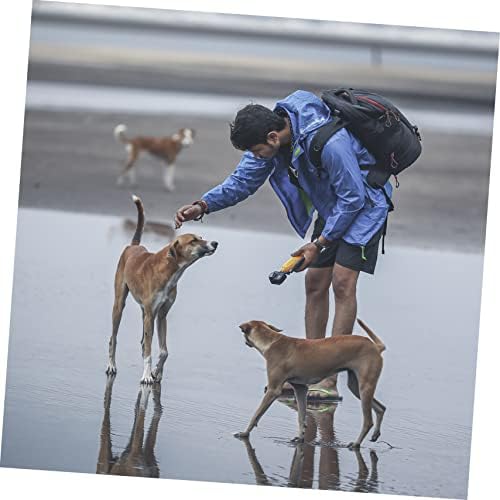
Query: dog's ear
[173, 251]
[272, 327]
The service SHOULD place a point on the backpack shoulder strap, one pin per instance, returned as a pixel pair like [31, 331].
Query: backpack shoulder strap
[321, 137]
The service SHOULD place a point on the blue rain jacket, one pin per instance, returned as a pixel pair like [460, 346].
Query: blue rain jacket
[353, 210]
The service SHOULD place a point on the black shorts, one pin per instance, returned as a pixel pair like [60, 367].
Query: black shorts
[347, 255]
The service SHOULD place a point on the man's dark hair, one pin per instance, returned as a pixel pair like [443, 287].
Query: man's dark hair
[252, 124]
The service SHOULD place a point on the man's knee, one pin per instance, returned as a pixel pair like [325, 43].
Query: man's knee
[318, 281]
[344, 282]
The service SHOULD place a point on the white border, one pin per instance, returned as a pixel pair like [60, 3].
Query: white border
[14, 32]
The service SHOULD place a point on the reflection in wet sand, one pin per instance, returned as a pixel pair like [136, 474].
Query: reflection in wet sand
[138, 458]
[126, 228]
[158, 228]
[320, 432]
[42, 404]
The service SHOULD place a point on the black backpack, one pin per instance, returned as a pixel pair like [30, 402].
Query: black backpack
[378, 124]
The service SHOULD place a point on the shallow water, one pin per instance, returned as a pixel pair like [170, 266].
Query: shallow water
[62, 413]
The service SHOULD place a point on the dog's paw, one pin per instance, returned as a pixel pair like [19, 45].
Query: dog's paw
[353, 446]
[375, 436]
[297, 440]
[241, 435]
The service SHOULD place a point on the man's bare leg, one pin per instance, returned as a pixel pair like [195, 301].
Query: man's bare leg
[318, 282]
[344, 283]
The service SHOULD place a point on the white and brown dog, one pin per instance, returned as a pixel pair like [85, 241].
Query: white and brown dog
[165, 148]
[152, 279]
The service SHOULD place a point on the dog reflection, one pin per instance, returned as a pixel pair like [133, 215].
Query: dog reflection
[138, 458]
[319, 431]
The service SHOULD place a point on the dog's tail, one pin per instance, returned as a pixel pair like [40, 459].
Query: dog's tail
[136, 240]
[119, 133]
[375, 339]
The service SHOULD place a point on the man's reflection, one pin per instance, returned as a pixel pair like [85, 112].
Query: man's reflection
[138, 458]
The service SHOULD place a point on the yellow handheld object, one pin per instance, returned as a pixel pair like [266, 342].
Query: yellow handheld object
[290, 264]
[293, 263]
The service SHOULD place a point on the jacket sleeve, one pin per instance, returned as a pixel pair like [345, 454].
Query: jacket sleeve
[346, 182]
[248, 176]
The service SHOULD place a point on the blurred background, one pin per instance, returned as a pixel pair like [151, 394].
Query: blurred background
[92, 67]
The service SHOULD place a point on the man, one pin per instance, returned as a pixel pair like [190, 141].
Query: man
[351, 214]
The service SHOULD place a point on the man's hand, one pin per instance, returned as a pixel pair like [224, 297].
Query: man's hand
[187, 212]
[310, 253]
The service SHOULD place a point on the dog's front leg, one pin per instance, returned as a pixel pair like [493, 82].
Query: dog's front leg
[270, 396]
[301, 398]
[161, 327]
[147, 336]
[121, 292]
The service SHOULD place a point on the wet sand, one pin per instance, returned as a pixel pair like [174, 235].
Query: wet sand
[61, 413]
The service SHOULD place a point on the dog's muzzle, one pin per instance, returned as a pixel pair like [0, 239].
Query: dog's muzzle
[209, 248]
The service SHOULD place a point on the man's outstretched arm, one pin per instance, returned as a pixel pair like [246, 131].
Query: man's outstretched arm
[248, 176]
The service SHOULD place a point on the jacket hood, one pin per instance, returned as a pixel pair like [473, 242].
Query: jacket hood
[306, 110]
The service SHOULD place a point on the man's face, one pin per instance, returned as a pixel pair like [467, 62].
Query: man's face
[269, 149]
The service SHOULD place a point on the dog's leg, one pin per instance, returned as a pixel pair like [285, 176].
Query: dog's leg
[301, 398]
[379, 409]
[272, 393]
[121, 292]
[162, 333]
[377, 406]
[161, 327]
[367, 389]
[168, 177]
[133, 154]
[147, 336]
[352, 383]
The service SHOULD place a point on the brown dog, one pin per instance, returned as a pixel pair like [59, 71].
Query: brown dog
[302, 362]
[152, 279]
[165, 148]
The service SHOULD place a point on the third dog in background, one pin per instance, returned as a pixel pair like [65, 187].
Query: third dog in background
[166, 148]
